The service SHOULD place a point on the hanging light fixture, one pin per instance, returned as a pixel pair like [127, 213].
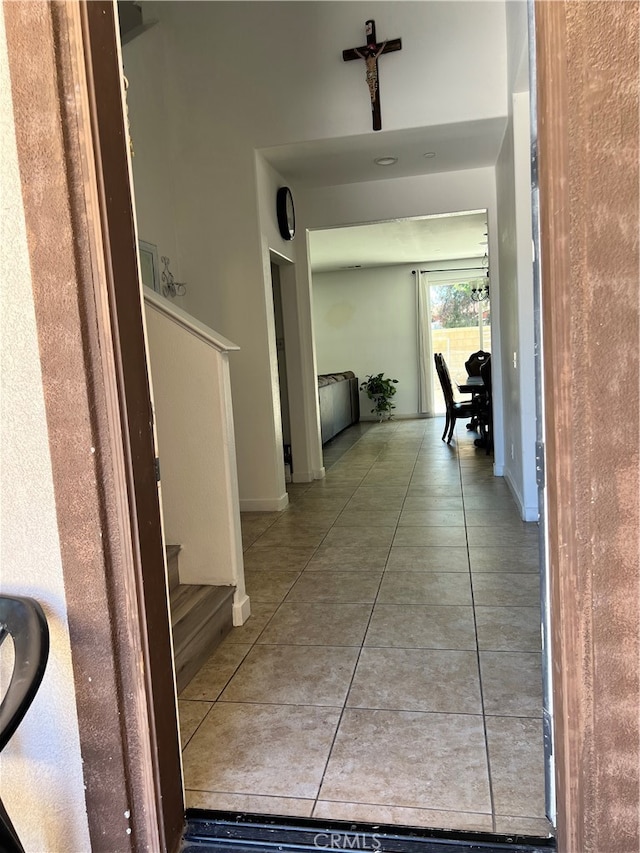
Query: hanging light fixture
[480, 294]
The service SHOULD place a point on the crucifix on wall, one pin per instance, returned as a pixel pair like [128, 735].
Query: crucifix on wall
[370, 53]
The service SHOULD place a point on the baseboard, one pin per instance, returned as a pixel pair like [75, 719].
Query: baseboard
[241, 609]
[264, 504]
[527, 513]
[498, 470]
[403, 417]
[302, 477]
[320, 473]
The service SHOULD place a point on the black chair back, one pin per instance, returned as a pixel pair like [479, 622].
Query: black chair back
[445, 378]
[475, 361]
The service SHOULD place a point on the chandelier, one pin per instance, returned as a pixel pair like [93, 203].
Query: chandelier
[480, 294]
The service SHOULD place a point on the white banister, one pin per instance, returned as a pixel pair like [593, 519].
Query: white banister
[182, 318]
[189, 365]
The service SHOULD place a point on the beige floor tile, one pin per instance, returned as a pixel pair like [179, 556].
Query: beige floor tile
[508, 629]
[325, 503]
[499, 518]
[306, 537]
[356, 558]
[272, 750]
[305, 519]
[363, 536]
[432, 518]
[271, 586]
[190, 715]
[504, 559]
[482, 503]
[403, 758]
[261, 613]
[427, 559]
[431, 504]
[381, 490]
[434, 536]
[435, 479]
[367, 518]
[398, 816]
[263, 519]
[422, 627]
[495, 537]
[417, 680]
[516, 758]
[355, 587]
[251, 803]
[425, 588]
[293, 675]
[254, 524]
[212, 677]
[382, 478]
[512, 683]
[492, 486]
[292, 559]
[506, 589]
[375, 503]
[537, 827]
[318, 624]
[440, 491]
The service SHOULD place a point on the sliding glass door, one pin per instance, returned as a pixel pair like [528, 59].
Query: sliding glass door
[460, 325]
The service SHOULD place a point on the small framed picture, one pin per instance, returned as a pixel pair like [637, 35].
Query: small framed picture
[149, 267]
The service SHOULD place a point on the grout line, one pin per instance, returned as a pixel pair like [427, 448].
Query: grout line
[475, 624]
[353, 675]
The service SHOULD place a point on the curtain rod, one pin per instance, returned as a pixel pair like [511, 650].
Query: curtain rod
[454, 269]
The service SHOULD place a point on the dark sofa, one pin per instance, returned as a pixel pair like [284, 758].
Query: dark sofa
[339, 402]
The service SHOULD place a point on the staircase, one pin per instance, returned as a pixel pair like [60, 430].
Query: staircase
[201, 617]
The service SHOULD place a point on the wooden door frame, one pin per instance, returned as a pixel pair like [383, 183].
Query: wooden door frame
[588, 154]
[88, 311]
[73, 158]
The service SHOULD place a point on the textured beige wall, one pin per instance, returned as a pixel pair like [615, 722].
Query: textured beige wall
[42, 783]
[588, 84]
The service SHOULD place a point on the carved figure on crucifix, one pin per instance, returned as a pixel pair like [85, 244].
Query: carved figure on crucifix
[371, 62]
[370, 52]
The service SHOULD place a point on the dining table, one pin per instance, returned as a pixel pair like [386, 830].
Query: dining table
[472, 385]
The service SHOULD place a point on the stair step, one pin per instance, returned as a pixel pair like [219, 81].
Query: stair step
[172, 565]
[201, 617]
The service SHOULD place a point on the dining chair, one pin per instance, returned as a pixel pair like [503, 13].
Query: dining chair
[454, 409]
[475, 361]
[485, 406]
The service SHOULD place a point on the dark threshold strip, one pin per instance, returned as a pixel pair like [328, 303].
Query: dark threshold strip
[250, 833]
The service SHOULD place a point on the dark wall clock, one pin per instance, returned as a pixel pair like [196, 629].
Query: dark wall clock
[286, 213]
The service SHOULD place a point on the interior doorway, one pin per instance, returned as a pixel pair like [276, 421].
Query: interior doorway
[279, 365]
[281, 350]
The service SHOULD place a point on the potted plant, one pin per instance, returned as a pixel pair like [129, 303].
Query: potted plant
[380, 390]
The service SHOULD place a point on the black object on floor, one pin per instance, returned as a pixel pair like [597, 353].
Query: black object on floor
[249, 833]
[24, 621]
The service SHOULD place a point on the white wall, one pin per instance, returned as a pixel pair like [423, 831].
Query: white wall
[365, 321]
[445, 192]
[513, 181]
[244, 76]
[151, 131]
[194, 422]
[42, 780]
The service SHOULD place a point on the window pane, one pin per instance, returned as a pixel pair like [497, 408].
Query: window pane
[459, 326]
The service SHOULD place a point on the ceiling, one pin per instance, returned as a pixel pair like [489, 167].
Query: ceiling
[430, 238]
[348, 160]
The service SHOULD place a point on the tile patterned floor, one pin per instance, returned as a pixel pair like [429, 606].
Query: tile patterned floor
[391, 668]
